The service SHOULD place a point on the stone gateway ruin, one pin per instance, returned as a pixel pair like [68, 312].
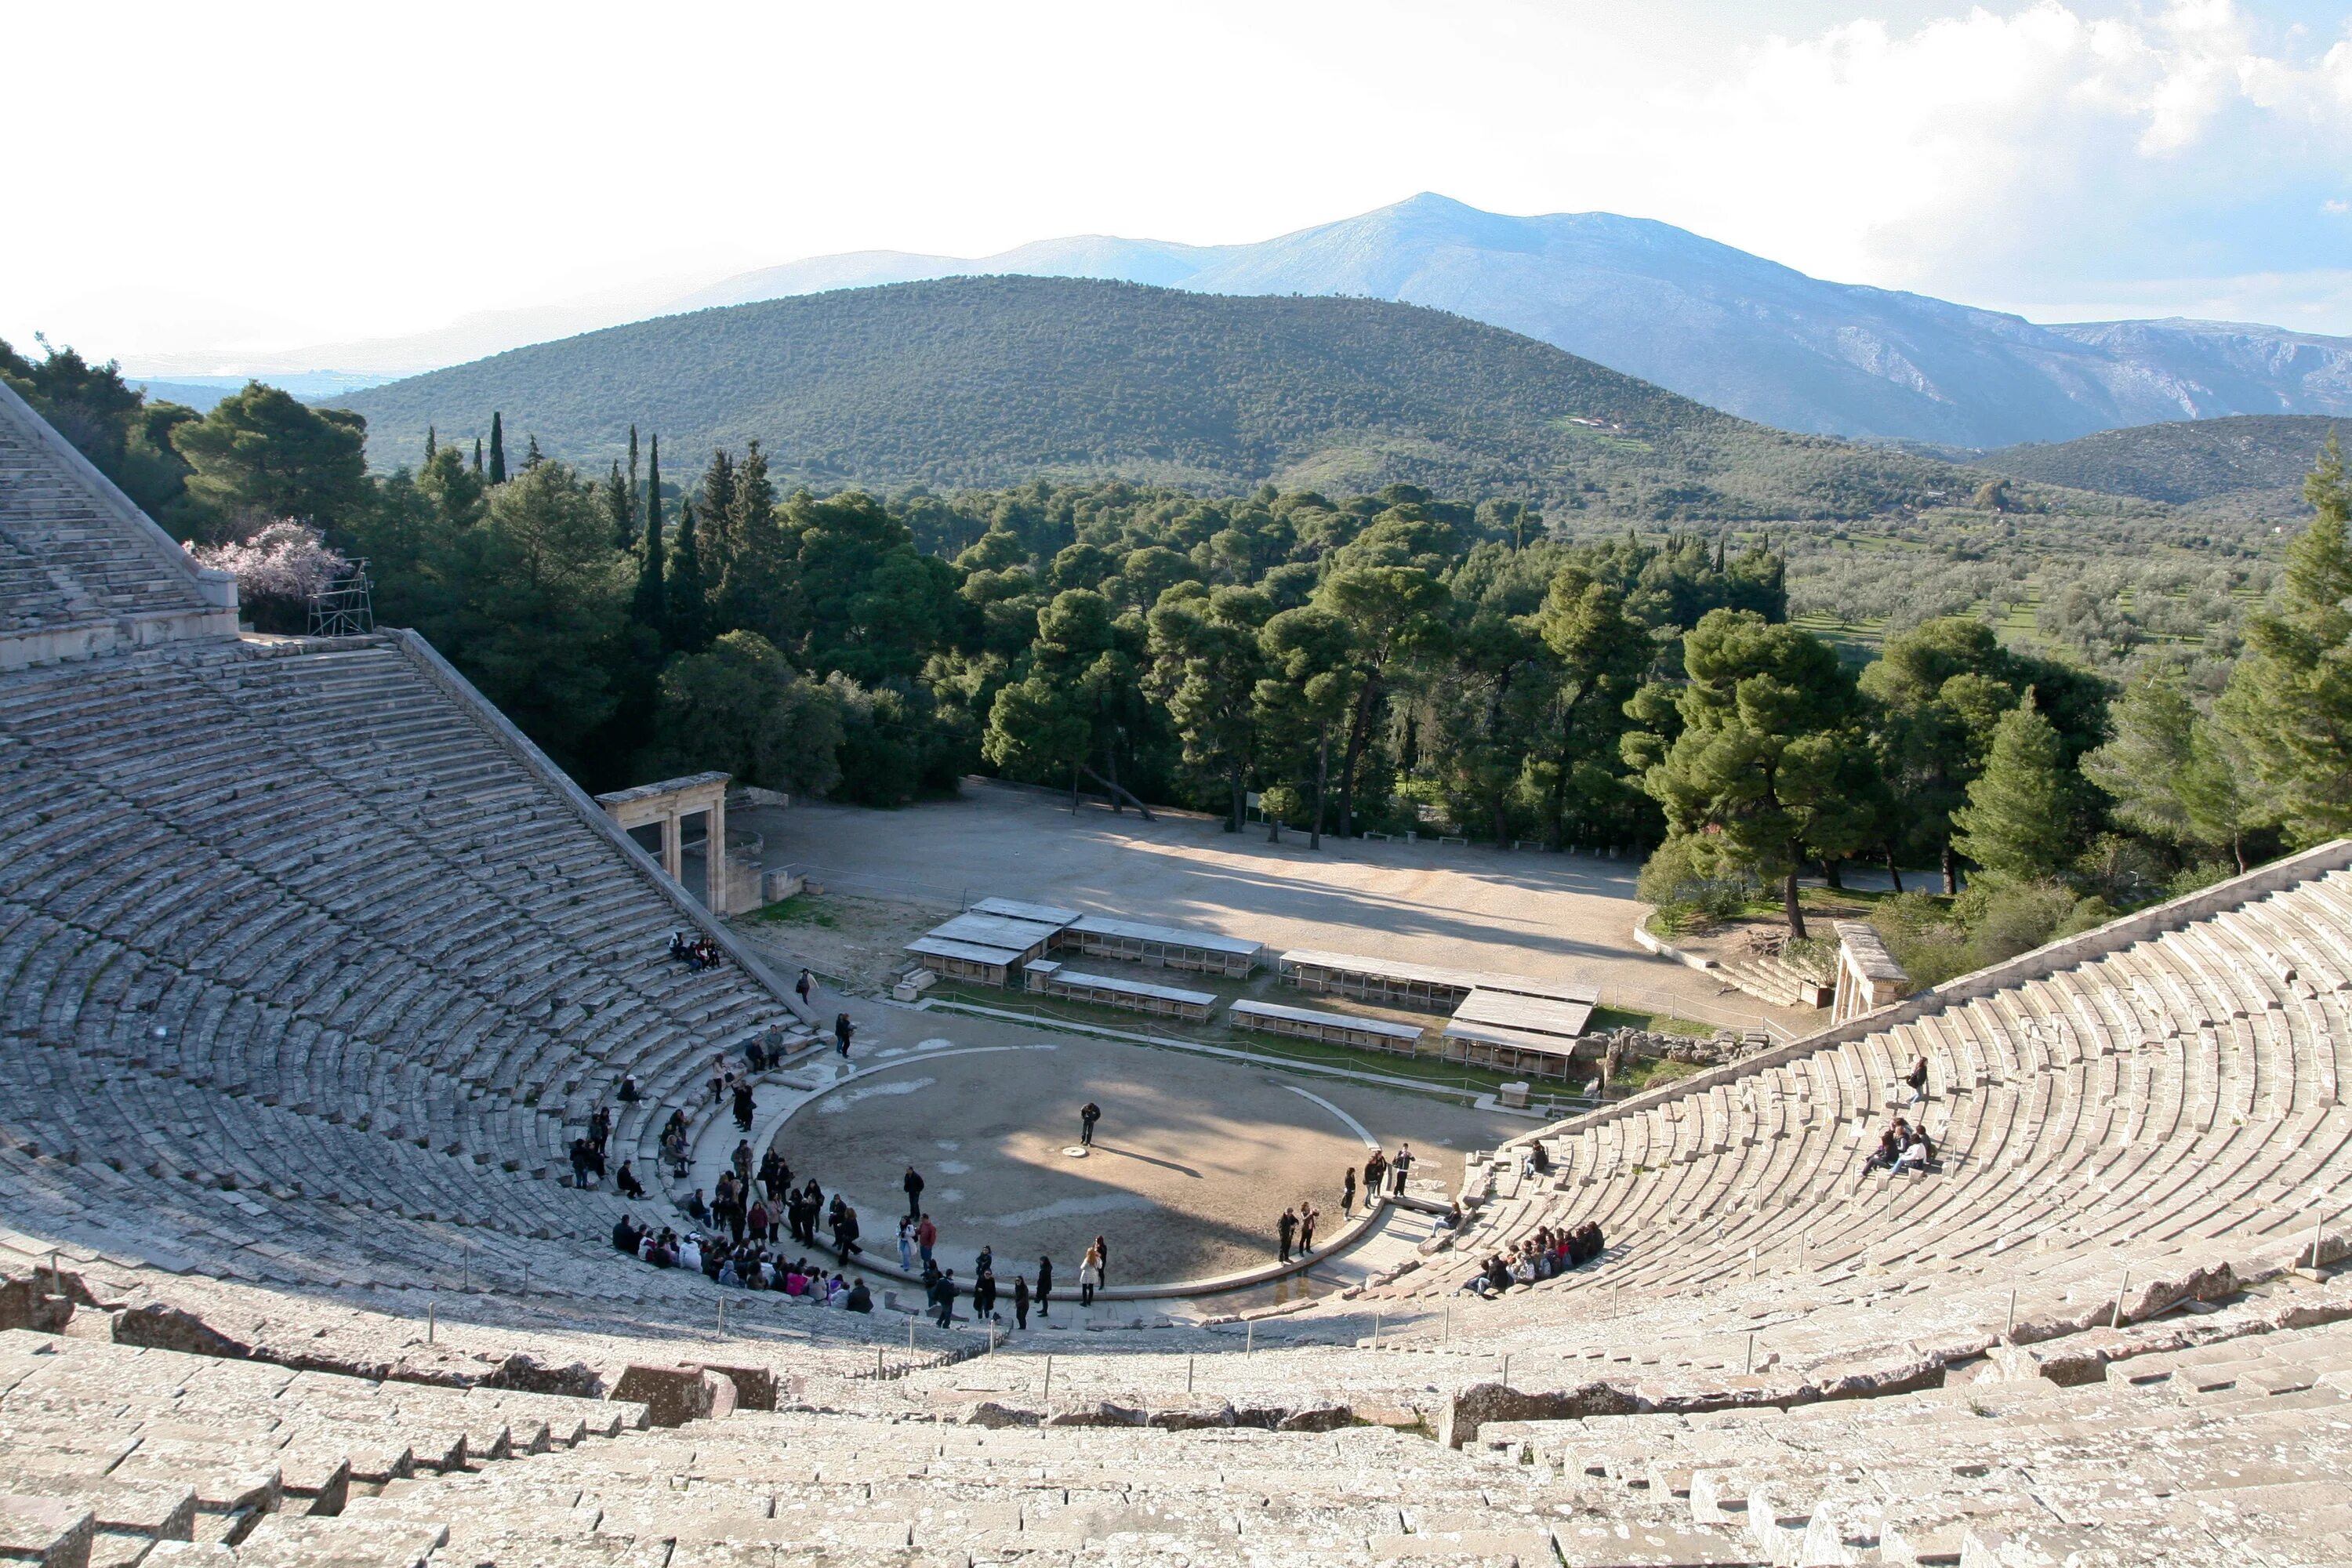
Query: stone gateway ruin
[313, 972]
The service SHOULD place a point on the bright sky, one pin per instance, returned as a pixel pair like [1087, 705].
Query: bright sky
[261, 176]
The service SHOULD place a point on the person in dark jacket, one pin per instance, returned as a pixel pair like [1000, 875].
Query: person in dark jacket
[944, 1297]
[911, 1184]
[1021, 1300]
[1045, 1286]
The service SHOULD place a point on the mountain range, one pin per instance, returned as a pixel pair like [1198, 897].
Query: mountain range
[999, 380]
[1714, 324]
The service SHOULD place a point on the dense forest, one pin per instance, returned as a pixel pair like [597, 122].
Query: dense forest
[988, 382]
[1377, 661]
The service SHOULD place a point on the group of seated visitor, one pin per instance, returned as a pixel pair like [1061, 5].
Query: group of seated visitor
[1549, 1251]
[747, 1265]
[698, 954]
[1902, 1147]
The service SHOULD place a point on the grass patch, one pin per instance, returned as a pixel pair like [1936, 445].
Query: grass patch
[1648, 1073]
[800, 910]
[1655, 1023]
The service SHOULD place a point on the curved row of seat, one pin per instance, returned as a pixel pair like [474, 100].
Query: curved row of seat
[289, 939]
[2148, 1109]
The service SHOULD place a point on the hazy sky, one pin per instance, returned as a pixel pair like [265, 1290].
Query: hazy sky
[257, 176]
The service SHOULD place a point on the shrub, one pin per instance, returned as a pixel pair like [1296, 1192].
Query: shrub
[1922, 935]
[1677, 874]
[1816, 957]
[2196, 878]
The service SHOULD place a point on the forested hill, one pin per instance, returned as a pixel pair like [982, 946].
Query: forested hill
[993, 381]
[2250, 466]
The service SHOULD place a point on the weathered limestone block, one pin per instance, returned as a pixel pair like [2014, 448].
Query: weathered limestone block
[755, 1386]
[28, 1302]
[1316, 1419]
[1459, 1420]
[1191, 1415]
[159, 1327]
[527, 1375]
[51, 1531]
[995, 1416]
[674, 1395]
[1096, 1413]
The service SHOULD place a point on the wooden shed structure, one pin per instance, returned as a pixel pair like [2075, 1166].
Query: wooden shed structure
[1167, 947]
[1332, 1028]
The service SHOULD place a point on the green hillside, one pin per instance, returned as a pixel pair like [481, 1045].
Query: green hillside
[991, 380]
[2248, 466]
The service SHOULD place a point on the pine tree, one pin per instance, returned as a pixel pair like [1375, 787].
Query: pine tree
[498, 448]
[686, 602]
[2289, 703]
[1772, 767]
[648, 606]
[432, 445]
[530, 457]
[2017, 822]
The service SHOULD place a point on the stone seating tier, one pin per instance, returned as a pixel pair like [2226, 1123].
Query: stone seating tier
[2149, 1101]
[285, 930]
[2229, 1452]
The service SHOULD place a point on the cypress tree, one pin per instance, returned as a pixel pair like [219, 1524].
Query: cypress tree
[687, 592]
[620, 507]
[750, 591]
[478, 454]
[431, 445]
[715, 507]
[2017, 823]
[498, 448]
[633, 484]
[648, 606]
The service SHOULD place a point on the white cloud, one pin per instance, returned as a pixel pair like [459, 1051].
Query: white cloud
[278, 173]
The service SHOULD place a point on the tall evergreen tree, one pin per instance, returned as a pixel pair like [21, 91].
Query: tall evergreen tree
[648, 606]
[478, 454]
[498, 448]
[530, 457]
[431, 444]
[2018, 822]
[686, 603]
[750, 591]
[633, 488]
[2173, 771]
[619, 508]
[2289, 702]
[714, 506]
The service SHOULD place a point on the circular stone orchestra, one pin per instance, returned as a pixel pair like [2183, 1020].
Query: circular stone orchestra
[1192, 1160]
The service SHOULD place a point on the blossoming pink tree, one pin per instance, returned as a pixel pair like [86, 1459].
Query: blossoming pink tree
[278, 572]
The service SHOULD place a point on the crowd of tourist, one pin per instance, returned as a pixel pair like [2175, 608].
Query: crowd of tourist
[698, 955]
[1552, 1250]
[1902, 1146]
[744, 1265]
